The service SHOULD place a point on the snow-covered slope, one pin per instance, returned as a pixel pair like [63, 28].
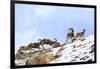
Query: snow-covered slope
[79, 51]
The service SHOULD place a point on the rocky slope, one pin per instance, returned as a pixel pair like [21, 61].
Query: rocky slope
[78, 51]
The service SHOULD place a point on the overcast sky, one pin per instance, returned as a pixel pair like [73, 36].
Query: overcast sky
[39, 21]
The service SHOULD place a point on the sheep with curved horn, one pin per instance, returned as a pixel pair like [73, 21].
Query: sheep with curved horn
[70, 35]
[79, 35]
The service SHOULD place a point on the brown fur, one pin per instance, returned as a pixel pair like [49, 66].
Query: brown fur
[70, 34]
[47, 41]
[34, 45]
[42, 42]
[80, 34]
[23, 48]
[50, 42]
[30, 46]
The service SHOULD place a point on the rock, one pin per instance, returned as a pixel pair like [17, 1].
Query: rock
[78, 51]
[40, 58]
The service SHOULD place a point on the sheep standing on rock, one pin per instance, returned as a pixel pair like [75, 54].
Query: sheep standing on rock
[34, 45]
[70, 35]
[48, 41]
[80, 35]
[24, 48]
[30, 46]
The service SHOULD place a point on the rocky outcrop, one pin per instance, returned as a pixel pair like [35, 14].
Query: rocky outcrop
[78, 51]
[40, 58]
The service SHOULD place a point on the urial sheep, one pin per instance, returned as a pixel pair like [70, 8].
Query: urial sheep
[80, 35]
[34, 45]
[47, 41]
[70, 35]
[30, 46]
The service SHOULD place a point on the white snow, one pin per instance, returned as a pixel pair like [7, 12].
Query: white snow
[81, 50]
[77, 51]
